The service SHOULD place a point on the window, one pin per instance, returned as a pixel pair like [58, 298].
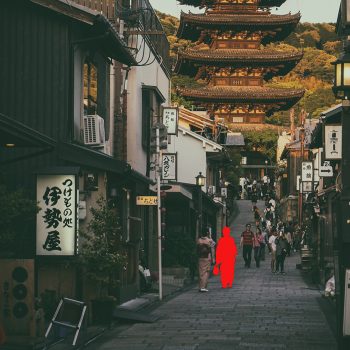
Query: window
[90, 88]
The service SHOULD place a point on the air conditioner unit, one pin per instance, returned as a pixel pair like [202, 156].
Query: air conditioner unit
[211, 190]
[94, 130]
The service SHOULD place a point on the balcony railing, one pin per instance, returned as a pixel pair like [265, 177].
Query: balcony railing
[139, 17]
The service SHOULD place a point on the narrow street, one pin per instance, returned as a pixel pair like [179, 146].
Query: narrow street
[262, 311]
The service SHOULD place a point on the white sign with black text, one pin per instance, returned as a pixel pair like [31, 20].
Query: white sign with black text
[333, 141]
[307, 172]
[169, 166]
[326, 170]
[56, 221]
[170, 119]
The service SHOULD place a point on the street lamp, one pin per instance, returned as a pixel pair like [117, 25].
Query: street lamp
[200, 182]
[341, 89]
[266, 162]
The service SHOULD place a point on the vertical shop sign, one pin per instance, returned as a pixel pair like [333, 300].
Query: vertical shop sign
[56, 220]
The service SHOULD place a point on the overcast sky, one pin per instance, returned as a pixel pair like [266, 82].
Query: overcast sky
[314, 11]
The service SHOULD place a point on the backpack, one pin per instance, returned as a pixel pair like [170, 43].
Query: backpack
[203, 250]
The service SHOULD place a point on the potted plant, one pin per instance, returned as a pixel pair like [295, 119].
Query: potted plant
[102, 256]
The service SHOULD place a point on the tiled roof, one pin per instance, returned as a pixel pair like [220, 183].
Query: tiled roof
[240, 54]
[263, 3]
[241, 94]
[239, 19]
[234, 139]
[188, 60]
[191, 24]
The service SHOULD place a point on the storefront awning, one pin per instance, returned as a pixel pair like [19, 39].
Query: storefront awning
[15, 135]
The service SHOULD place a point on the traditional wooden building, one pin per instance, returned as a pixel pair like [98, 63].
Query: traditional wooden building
[231, 56]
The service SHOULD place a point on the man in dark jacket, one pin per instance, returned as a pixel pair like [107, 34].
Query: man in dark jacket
[281, 252]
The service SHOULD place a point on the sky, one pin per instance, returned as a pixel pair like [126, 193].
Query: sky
[313, 11]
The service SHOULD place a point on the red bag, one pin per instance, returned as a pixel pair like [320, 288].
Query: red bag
[216, 270]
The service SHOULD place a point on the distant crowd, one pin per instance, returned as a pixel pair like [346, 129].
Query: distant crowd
[270, 235]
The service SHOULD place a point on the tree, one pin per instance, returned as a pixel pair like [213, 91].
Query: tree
[102, 253]
[264, 141]
[17, 223]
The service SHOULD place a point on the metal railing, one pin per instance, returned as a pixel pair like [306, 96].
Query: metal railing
[139, 16]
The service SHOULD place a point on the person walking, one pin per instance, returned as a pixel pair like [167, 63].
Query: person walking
[226, 253]
[257, 239]
[272, 245]
[257, 216]
[205, 251]
[281, 252]
[265, 240]
[247, 244]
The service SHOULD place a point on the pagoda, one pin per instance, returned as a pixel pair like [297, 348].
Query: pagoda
[231, 56]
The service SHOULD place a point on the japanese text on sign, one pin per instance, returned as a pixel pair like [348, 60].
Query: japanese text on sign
[333, 141]
[307, 172]
[146, 200]
[56, 220]
[169, 166]
[170, 119]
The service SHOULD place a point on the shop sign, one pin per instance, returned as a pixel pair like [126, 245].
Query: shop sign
[169, 166]
[56, 221]
[146, 200]
[170, 119]
[333, 141]
[307, 171]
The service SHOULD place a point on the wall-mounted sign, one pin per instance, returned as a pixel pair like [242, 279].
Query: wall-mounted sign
[306, 171]
[169, 166]
[57, 219]
[333, 141]
[307, 187]
[170, 119]
[326, 170]
[224, 192]
[146, 200]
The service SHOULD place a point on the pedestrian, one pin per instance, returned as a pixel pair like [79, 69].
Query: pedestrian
[272, 245]
[247, 244]
[254, 198]
[226, 253]
[265, 240]
[281, 252]
[257, 216]
[257, 239]
[205, 251]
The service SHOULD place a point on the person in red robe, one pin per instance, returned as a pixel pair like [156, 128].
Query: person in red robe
[226, 253]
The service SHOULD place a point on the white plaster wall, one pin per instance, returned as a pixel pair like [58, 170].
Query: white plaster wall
[191, 155]
[148, 75]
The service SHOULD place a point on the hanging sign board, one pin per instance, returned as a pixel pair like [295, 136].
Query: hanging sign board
[333, 141]
[146, 200]
[169, 166]
[306, 171]
[170, 119]
[56, 221]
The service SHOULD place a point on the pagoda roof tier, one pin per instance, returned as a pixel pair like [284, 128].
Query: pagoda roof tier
[190, 61]
[279, 99]
[209, 3]
[273, 27]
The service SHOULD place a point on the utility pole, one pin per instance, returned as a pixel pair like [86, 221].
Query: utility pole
[159, 213]
[302, 150]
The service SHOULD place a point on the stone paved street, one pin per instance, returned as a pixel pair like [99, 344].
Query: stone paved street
[261, 311]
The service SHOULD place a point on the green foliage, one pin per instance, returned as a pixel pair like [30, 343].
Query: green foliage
[264, 141]
[17, 222]
[232, 170]
[102, 253]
